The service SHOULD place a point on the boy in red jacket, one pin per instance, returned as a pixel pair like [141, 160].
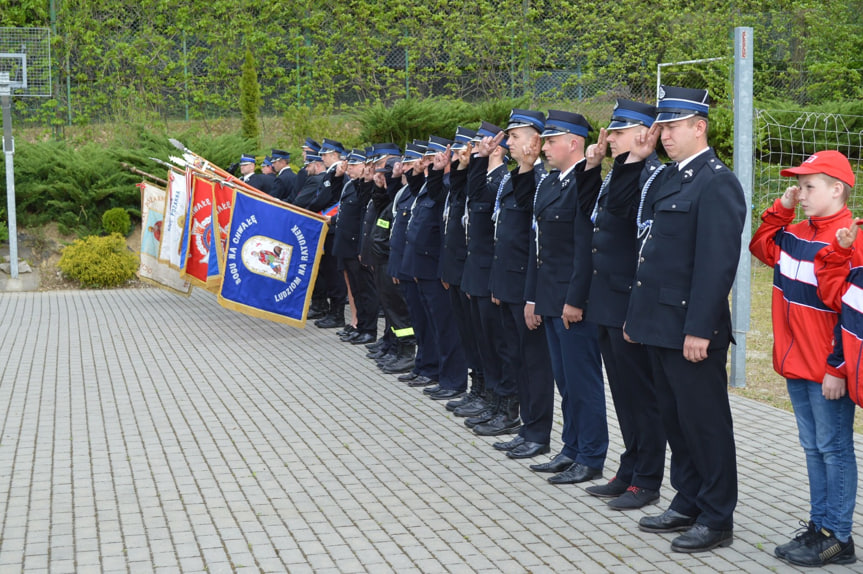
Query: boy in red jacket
[803, 330]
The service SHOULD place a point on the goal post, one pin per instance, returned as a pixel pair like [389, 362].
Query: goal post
[25, 70]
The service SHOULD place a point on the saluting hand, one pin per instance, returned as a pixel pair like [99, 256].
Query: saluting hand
[488, 144]
[596, 152]
[441, 159]
[341, 168]
[846, 236]
[398, 169]
[790, 198]
[529, 154]
[643, 144]
[464, 156]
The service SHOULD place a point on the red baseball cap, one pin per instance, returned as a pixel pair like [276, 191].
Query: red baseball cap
[828, 162]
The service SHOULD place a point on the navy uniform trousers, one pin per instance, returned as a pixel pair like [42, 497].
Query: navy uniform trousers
[627, 365]
[701, 446]
[485, 315]
[527, 352]
[561, 275]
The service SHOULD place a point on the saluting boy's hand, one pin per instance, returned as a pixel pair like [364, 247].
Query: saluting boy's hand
[833, 387]
[846, 236]
[791, 197]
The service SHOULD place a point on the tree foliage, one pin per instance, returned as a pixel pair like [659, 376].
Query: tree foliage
[154, 57]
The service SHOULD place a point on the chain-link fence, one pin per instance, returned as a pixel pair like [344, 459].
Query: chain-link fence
[121, 59]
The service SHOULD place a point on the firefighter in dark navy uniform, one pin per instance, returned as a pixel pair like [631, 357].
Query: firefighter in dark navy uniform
[525, 350]
[615, 255]
[556, 291]
[692, 219]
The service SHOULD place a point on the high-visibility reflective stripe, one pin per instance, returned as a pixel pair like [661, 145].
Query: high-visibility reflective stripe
[406, 332]
[383, 223]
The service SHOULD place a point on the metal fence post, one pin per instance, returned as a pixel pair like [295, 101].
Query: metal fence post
[9, 153]
[186, 75]
[743, 155]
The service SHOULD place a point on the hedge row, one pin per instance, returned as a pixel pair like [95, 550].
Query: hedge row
[74, 185]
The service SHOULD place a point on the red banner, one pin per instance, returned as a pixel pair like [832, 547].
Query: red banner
[199, 231]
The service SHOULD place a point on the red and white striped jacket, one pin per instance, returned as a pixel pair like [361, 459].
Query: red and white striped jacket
[840, 285]
[803, 324]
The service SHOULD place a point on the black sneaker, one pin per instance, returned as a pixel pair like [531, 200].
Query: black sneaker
[804, 534]
[822, 549]
[612, 489]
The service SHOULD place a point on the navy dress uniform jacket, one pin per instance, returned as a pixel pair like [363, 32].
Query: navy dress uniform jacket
[615, 237]
[348, 225]
[454, 251]
[561, 271]
[285, 185]
[481, 191]
[401, 215]
[423, 235]
[512, 243]
[698, 216]
[260, 181]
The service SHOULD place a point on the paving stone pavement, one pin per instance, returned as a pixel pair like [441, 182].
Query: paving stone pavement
[146, 432]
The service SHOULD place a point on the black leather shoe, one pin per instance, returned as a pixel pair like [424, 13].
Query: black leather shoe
[408, 377]
[330, 322]
[668, 521]
[430, 390]
[700, 538]
[446, 394]
[612, 489]
[316, 313]
[510, 444]
[386, 358]
[558, 464]
[402, 365]
[576, 473]
[346, 331]
[529, 449]
[347, 338]
[362, 339]
[377, 353]
[379, 344]
[421, 381]
[634, 497]
[471, 409]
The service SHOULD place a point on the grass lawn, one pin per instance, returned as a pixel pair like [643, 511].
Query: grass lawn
[762, 382]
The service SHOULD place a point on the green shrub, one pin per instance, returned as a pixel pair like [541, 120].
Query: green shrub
[250, 98]
[406, 120]
[116, 220]
[98, 261]
[4, 226]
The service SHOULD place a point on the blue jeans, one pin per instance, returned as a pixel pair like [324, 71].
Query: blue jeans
[826, 429]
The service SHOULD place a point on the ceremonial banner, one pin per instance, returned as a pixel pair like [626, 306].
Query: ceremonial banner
[176, 205]
[198, 237]
[152, 226]
[272, 259]
[224, 200]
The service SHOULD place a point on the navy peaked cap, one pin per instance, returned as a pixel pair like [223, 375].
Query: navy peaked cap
[681, 103]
